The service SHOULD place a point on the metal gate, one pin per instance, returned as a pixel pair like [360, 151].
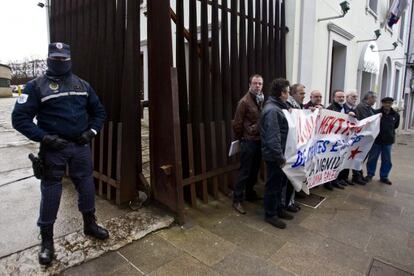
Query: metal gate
[104, 35]
[198, 69]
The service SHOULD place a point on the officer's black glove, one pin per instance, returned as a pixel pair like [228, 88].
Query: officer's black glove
[86, 137]
[54, 142]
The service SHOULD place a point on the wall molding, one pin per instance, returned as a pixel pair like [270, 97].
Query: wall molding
[340, 31]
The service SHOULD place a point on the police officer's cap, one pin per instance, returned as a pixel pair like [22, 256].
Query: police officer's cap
[59, 49]
[387, 99]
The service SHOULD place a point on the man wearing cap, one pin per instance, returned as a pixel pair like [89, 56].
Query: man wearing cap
[69, 114]
[390, 121]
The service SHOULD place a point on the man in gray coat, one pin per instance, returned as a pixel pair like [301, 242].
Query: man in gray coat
[364, 110]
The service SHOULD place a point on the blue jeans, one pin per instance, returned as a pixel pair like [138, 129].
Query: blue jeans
[276, 180]
[250, 157]
[373, 155]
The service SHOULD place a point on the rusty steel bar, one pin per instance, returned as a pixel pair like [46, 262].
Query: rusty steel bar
[283, 39]
[182, 81]
[234, 56]
[277, 60]
[250, 40]
[271, 43]
[243, 50]
[258, 40]
[265, 47]
[164, 122]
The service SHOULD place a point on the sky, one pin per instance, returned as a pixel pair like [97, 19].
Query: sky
[23, 30]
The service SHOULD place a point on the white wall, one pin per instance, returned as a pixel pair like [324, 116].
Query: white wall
[358, 24]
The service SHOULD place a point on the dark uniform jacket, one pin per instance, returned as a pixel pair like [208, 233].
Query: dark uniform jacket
[338, 108]
[273, 131]
[363, 111]
[311, 104]
[65, 107]
[389, 122]
[246, 118]
[292, 103]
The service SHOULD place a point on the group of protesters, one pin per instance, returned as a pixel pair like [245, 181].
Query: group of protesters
[262, 128]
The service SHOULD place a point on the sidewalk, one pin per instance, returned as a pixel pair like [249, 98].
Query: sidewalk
[352, 230]
[19, 208]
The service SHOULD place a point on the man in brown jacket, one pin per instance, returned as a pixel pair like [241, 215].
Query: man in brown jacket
[246, 129]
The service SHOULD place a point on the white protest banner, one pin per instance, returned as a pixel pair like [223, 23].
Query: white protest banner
[322, 143]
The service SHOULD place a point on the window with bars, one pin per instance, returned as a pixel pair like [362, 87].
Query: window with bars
[4, 82]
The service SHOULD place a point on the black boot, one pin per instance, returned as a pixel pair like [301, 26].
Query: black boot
[92, 229]
[47, 250]
[358, 179]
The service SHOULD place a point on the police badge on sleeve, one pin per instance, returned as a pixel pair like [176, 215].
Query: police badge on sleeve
[22, 98]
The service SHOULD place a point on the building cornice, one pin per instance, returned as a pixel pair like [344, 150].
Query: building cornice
[340, 31]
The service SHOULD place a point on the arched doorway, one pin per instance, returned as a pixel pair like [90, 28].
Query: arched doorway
[368, 68]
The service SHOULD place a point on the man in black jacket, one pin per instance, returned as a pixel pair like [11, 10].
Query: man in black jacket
[350, 104]
[337, 105]
[273, 133]
[364, 110]
[390, 121]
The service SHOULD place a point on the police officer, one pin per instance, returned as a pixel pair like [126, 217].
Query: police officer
[69, 114]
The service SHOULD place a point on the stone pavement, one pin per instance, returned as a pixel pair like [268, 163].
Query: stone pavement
[350, 229]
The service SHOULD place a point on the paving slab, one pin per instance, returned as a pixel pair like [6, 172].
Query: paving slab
[263, 244]
[109, 264]
[300, 261]
[241, 262]
[185, 265]
[150, 253]
[199, 243]
[345, 255]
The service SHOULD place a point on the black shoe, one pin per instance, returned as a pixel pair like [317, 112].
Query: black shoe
[328, 186]
[385, 181]
[368, 178]
[47, 250]
[342, 182]
[292, 208]
[348, 182]
[284, 215]
[336, 185]
[92, 229]
[276, 222]
[358, 180]
[239, 208]
[253, 197]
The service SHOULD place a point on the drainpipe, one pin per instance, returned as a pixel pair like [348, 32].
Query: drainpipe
[405, 74]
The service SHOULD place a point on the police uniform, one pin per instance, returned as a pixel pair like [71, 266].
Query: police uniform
[68, 114]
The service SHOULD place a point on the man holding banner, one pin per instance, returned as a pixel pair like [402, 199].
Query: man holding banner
[364, 110]
[390, 121]
[273, 132]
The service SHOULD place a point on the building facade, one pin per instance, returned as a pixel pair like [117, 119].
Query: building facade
[5, 77]
[343, 53]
